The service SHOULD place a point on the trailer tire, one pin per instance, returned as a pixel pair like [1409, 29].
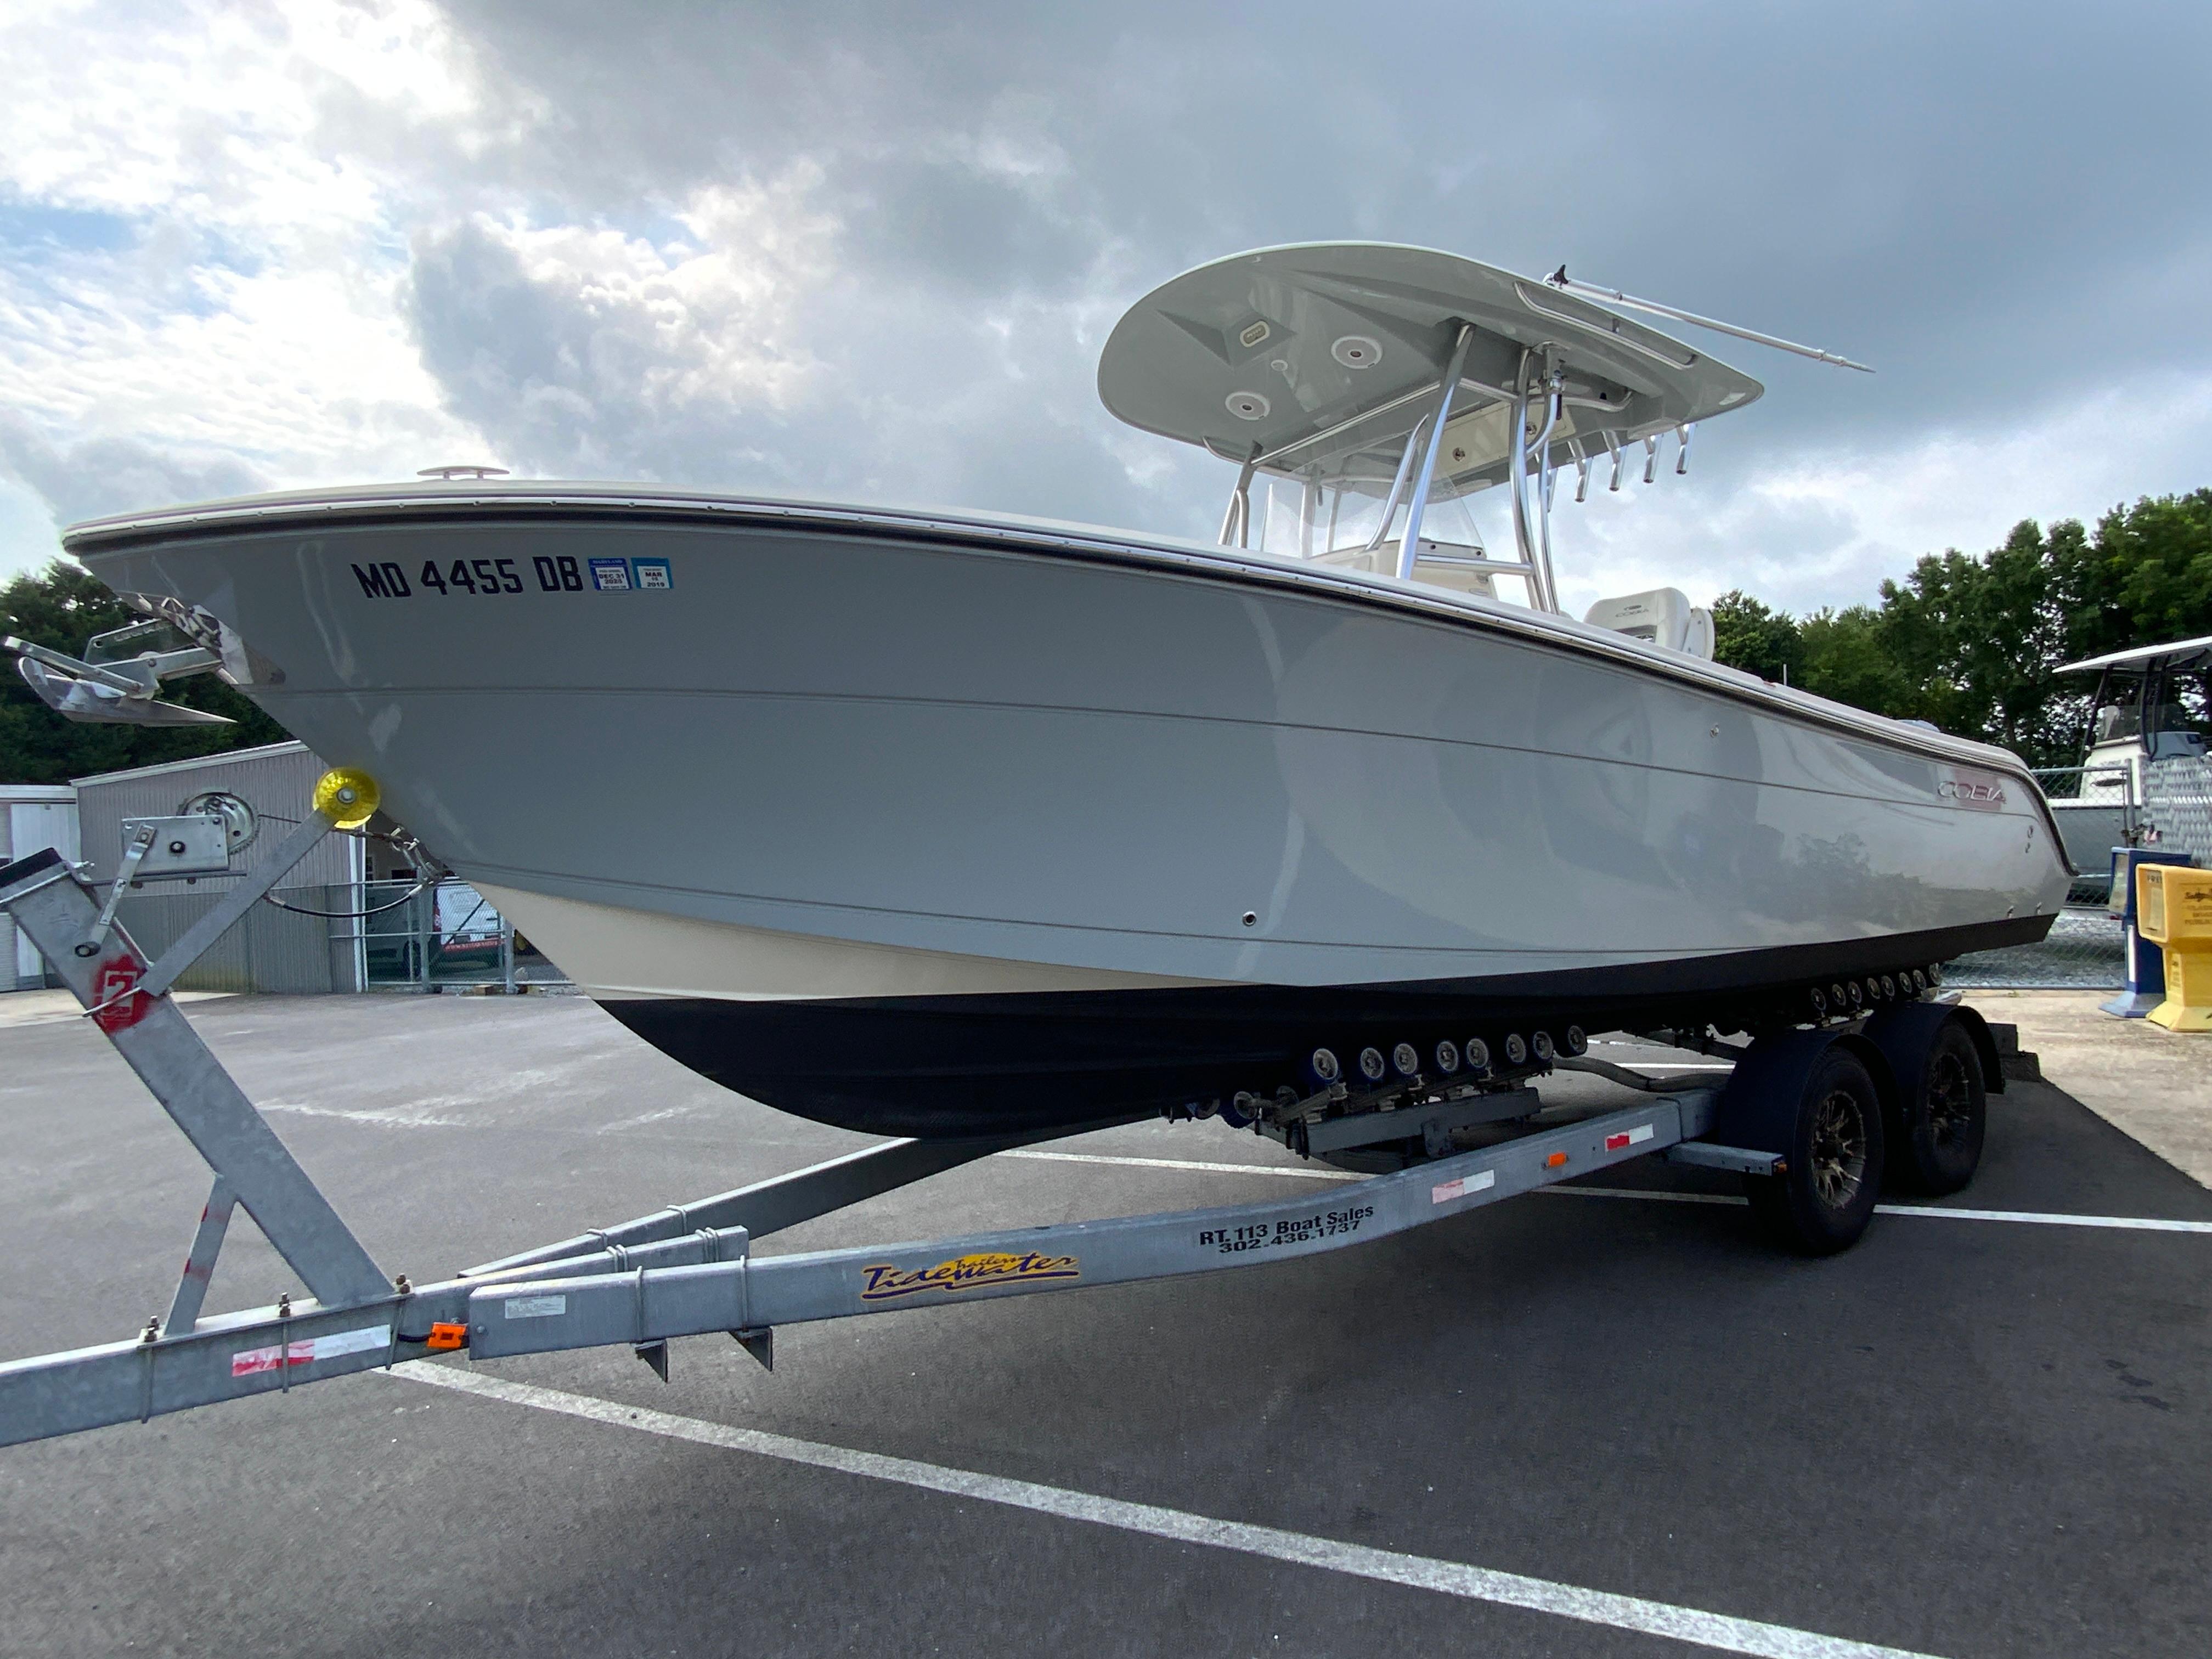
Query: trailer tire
[1831, 1175]
[1941, 1125]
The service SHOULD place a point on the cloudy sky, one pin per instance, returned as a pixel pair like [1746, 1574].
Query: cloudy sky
[870, 252]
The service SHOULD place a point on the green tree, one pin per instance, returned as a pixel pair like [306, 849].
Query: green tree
[2144, 578]
[1976, 642]
[1749, 635]
[1847, 660]
[61, 608]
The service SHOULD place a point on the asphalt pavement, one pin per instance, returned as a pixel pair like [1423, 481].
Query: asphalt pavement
[1571, 1424]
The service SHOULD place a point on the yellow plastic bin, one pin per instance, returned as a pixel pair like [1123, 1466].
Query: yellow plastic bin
[2174, 911]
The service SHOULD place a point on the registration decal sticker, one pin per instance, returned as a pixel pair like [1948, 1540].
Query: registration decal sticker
[497, 578]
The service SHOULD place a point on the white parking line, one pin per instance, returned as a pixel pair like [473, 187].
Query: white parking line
[1708, 1630]
[1186, 1163]
[644, 1118]
[388, 1117]
[2033, 1217]
[1633, 1192]
[2127, 1222]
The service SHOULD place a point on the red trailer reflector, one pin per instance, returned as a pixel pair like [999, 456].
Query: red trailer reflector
[1628, 1138]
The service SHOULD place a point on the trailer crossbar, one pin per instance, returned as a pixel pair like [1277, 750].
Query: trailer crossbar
[770, 1205]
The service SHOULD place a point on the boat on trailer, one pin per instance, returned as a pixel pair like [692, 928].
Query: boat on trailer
[949, 825]
[992, 829]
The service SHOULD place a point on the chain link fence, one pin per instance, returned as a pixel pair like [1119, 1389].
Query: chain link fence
[444, 937]
[315, 940]
[2177, 805]
[2087, 948]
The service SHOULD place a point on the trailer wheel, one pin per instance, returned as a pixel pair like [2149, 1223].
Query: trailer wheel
[1832, 1176]
[1940, 1133]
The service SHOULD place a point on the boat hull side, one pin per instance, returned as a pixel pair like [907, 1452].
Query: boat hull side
[1015, 755]
[1004, 1062]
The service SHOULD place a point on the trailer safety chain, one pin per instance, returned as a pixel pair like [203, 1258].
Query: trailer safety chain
[428, 882]
[433, 871]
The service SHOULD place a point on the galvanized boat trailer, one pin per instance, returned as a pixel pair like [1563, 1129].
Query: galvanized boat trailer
[1786, 1120]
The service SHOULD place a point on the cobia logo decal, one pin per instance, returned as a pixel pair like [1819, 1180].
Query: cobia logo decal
[1972, 789]
[964, 1273]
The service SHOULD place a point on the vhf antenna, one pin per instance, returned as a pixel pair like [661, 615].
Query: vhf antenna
[1561, 279]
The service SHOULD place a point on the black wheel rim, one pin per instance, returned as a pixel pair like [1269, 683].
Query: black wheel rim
[1840, 1149]
[1950, 1101]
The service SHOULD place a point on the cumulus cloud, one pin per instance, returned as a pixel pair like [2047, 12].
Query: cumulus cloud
[196, 267]
[746, 346]
[872, 250]
[115, 475]
[590, 351]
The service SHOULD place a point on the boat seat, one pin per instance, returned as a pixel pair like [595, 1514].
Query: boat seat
[1663, 616]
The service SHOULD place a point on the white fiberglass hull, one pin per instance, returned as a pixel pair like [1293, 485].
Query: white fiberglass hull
[930, 824]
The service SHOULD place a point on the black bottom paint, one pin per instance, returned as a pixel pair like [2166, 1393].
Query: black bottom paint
[979, 1065]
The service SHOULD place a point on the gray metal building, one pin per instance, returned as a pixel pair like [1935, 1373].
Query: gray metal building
[33, 817]
[271, 950]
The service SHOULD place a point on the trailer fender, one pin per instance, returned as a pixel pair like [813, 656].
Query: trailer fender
[1928, 1156]
[1905, 1034]
[1757, 1109]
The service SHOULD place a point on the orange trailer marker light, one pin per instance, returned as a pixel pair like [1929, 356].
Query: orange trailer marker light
[447, 1337]
[1555, 1160]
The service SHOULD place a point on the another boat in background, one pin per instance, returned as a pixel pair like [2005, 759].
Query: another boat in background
[2138, 716]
